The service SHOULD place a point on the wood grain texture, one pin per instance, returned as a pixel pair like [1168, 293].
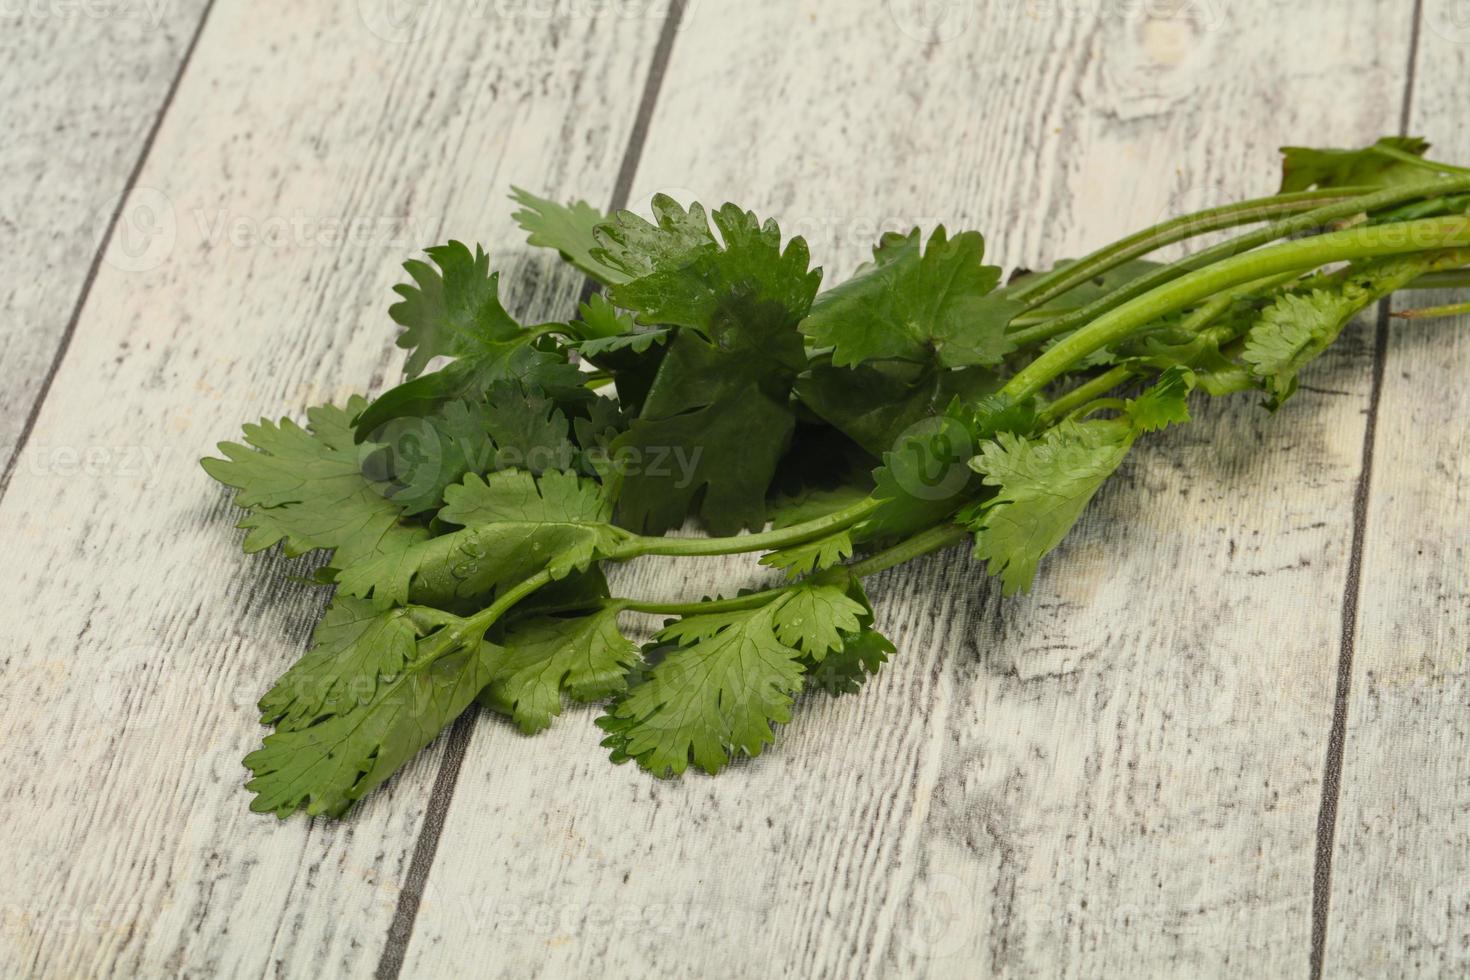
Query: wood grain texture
[310, 151]
[1401, 872]
[1118, 775]
[79, 91]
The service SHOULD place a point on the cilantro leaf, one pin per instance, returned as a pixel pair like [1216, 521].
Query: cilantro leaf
[524, 359]
[1042, 486]
[637, 342]
[512, 429]
[325, 767]
[566, 228]
[915, 305]
[716, 694]
[863, 650]
[456, 312]
[718, 416]
[304, 488]
[419, 458]
[584, 656]
[1297, 327]
[514, 528]
[801, 559]
[598, 319]
[529, 430]
[639, 249]
[612, 341]
[873, 404]
[514, 496]
[450, 311]
[1164, 403]
[815, 617]
[354, 648]
[682, 276]
[1303, 167]
[1290, 333]
[843, 671]
[730, 677]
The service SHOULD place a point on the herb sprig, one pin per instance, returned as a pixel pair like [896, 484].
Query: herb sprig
[469, 511]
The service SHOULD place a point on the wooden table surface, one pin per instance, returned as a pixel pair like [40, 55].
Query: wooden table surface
[1225, 735]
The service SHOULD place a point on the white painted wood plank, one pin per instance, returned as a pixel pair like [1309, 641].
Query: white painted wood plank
[1116, 776]
[80, 88]
[1401, 868]
[303, 160]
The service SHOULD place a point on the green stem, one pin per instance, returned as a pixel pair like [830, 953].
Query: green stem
[1451, 309]
[735, 604]
[1086, 392]
[457, 630]
[1058, 281]
[740, 543]
[1300, 255]
[935, 538]
[1308, 221]
[1448, 279]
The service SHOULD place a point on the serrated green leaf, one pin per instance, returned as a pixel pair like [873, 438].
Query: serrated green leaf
[514, 528]
[567, 228]
[718, 416]
[814, 502]
[873, 404]
[523, 360]
[814, 617]
[1164, 403]
[599, 319]
[304, 488]
[637, 342]
[1290, 333]
[420, 457]
[451, 311]
[802, 559]
[513, 496]
[926, 305]
[585, 657]
[355, 648]
[845, 670]
[637, 248]
[324, 768]
[1042, 487]
[456, 312]
[717, 694]
[862, 652]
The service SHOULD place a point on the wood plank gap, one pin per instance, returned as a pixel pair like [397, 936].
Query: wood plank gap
[76, 314]
[633, 155]
[1352, 594]
[424, 851]
[400, 931]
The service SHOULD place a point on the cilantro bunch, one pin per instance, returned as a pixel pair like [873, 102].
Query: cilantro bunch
[468, 512]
